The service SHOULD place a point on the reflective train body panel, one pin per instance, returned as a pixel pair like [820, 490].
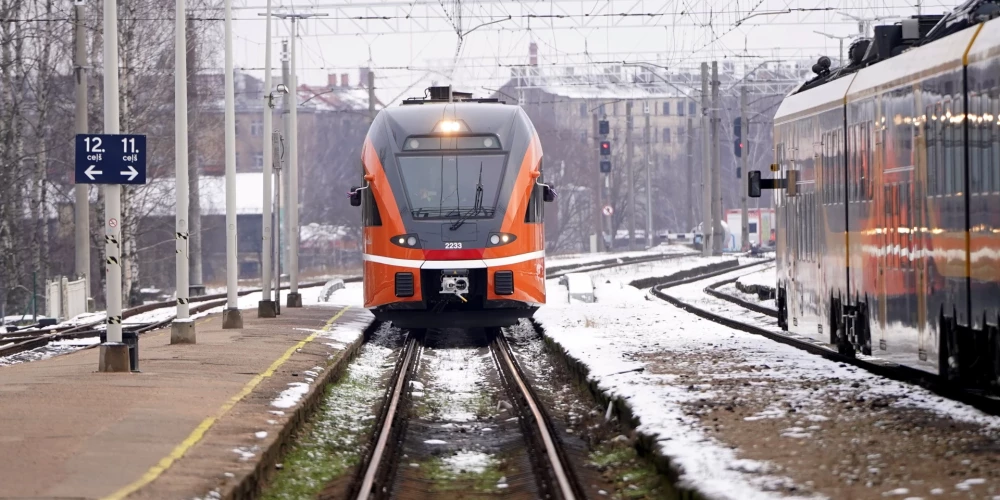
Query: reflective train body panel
[891, 246]
[452, 208]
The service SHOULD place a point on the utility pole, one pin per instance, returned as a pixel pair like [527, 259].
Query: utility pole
[282, 187]
[745, 132]
[294, 298]
[649, 183]
[598, 186]
[631, 175]
[82, 191]
[717, 233]
[690, 171]
[113, 355]
[232, 318]
[195, 284]
[266, 306]
[182, 330]
[706, 162]
[371, 95]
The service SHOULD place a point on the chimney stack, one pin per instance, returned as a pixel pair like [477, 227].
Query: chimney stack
[331, 80]
[344, 80]
[533, 51]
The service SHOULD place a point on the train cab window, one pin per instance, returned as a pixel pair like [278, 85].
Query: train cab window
[536, 205]
[370, 216]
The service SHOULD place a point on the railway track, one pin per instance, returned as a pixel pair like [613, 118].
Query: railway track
[547, 475]
[25, 340]
[726, 309]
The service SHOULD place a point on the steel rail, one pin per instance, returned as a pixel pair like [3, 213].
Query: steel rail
[552, 451]
[380, 446]
[986, 403]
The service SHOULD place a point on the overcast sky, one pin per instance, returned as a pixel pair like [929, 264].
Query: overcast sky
[411, 43]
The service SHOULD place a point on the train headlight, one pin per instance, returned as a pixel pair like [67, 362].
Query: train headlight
[497, 239]
[406, 241]
[451, 126]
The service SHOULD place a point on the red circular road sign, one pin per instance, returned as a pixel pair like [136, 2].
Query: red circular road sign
[608, 210]
[113, 222]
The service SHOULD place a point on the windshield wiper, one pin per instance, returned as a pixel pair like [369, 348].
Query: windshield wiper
[477, 206]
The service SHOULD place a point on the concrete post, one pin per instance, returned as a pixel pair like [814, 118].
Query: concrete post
[745, 127]
[82, 191]
[113, 353]
[231, 316]
[294, 298]
[718, 236]
[266, 307]
[706, 162]
[631, 175]
[182, 330]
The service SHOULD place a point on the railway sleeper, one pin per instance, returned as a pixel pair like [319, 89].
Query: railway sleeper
[968, 356]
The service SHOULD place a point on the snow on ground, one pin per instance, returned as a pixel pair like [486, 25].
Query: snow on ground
[730, 289]
[744, 417]
[587, 258]
[456, 378]
[764, 277]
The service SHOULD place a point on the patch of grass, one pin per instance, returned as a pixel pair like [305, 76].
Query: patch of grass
[329, 445]
[633, 476]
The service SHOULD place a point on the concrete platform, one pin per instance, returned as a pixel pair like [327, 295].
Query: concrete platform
[192, 422]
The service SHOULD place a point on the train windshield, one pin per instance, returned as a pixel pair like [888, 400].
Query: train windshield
[446, 186]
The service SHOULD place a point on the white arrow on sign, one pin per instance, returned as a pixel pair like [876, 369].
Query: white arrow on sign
[131, 172]
[90, 172]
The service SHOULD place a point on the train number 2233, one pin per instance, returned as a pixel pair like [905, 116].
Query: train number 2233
[455, 245]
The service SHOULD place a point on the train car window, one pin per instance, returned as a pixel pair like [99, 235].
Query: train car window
[974, 117]
[995, 138]
[852, 148]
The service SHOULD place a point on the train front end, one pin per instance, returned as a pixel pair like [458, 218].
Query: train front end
[452, 201]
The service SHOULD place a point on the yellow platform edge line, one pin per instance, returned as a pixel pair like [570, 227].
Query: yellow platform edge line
[199, 432]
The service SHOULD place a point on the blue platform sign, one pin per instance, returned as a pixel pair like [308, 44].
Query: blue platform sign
[110, 159]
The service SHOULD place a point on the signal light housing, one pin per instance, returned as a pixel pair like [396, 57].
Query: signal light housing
[605, 166]
[605, 148]
[603, 127]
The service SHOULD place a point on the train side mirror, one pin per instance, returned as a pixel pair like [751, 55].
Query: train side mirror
[548, 194]
[355, 195]
[753, 184]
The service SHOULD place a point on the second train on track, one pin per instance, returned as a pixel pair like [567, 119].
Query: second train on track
[890, 242]
[452, 204]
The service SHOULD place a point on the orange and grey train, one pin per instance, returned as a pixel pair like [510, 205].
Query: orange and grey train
[452, 201]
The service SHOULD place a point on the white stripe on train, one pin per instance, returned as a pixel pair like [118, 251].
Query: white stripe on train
[452, 264]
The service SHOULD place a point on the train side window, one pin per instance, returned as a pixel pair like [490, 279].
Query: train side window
[930, 143]
[995, 138]
[975, 128]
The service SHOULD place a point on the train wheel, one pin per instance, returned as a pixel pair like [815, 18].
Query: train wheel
[948, 367]
[836, 319]
[995, 344]
[864, 329]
